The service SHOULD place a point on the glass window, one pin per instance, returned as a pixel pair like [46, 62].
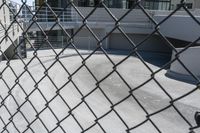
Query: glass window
[157, 4]
[188, 5]
[131, 3]
[88, 3]
[82, 3]
[148, 4]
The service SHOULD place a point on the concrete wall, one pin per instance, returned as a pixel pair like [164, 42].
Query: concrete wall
[181, 27]
[196, 4]
[13, 33]
[85, 40]
[101, 15]
[155, 43]
[190, 58]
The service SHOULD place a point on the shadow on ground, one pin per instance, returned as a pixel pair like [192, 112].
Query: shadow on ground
[154, 58]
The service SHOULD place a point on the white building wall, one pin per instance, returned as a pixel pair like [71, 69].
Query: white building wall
[4, 16]
[14, 32]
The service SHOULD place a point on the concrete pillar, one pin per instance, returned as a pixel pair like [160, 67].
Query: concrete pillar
[106, 42]
[1, 58]
[197, 4]
[59, 38]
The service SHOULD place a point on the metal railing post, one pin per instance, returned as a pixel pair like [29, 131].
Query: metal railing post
[46, 14]
[13, 28]
[63, 17]
[26, 15]
[76, 17]
[62, 41]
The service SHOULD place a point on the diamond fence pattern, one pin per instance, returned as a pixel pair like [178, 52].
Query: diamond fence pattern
[82, 116]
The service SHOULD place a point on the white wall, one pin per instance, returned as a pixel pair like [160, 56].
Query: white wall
[14, 32]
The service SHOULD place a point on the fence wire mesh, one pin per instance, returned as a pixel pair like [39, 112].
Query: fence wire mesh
[42, 94]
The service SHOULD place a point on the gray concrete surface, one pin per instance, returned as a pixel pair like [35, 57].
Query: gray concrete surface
[132, 70]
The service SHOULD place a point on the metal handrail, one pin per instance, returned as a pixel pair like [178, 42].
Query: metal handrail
[44, 14]
[61, 41]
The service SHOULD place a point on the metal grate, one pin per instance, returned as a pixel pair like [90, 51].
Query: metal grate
[81, 102]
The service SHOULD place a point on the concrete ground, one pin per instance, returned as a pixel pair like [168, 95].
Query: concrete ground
[150, 95]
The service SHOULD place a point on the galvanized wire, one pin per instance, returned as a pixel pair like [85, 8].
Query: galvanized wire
[99, 47]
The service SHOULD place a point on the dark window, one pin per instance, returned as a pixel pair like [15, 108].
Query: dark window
[53, 3]
[148, 4]
[156, 4]
[188, 5]
[131, 3]
[88, 3]
[82, 3]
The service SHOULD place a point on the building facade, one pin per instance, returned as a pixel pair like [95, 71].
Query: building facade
[136, 24]
[125, 4]
[148, 4]
[191, 4]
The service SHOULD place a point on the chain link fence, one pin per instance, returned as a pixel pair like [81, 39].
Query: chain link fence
[72, 90]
